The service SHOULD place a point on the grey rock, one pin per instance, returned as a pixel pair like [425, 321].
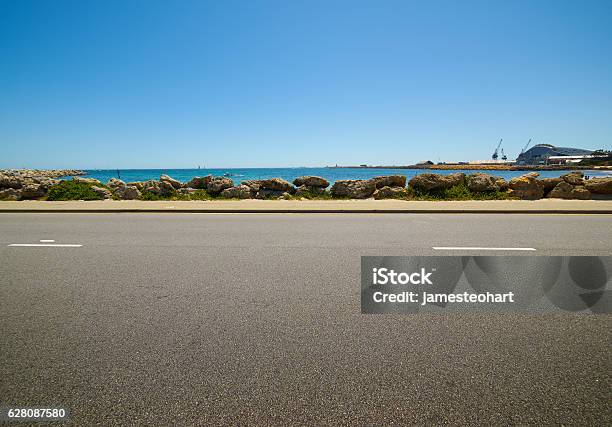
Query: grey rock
[501, 183]
[176, 184]
[574, 178]
[10, 194]
[550, 183]
[90, 181]
[159, 188]
[391, 193]
[238, 192]
[311, 181]
[102, 192]
[481, 182]
[199, 182]
[277, 184]
[599, 185]
[389, 181]
[10, 181]
[217, 184]
[253, 184]
[129, 192]
[435, 182]
[565, 190]
[526, 187]
[114, 183]
[355, 189]
[32, 191]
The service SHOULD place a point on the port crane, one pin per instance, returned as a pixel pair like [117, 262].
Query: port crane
[495, 155]
[525, 147]
[504, 157]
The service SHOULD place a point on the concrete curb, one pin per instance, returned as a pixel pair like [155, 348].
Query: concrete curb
[325, 211]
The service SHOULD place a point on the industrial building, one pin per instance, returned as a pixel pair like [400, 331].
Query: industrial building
[542, 154]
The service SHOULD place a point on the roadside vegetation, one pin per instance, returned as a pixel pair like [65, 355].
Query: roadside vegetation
[72, 190]
[457, 192]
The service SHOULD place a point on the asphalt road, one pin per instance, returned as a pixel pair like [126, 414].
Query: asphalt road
[254, 319]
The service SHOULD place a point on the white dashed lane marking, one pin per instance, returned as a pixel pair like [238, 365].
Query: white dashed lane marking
[469, 248]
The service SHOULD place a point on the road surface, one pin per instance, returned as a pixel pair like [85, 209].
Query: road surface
[255, 319]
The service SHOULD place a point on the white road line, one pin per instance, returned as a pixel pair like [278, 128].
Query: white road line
[43, 245]
[469, 248]
[47, 241]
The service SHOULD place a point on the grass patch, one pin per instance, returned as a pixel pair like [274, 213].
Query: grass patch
[311, 195]
[72, 190]
[196, 195]
[457, 192]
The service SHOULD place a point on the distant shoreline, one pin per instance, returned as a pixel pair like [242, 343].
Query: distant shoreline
[501, 167]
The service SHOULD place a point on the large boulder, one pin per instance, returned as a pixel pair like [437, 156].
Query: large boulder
[173, 182]
[238, 192]
[10, 181]
[565, 190]
[10, 194]
[129, 192]
[501, 183]
[526, 187]
[435, 182]
[277, 184]
[199, 182]
[217, 184]
[389, 181]
[573, 178]
[482, 182]
[32, 191]
[599, 185]
[354, 189]
[159, 188]
[391, 193]
[91, 181]
[311, 181]
[253, 184]
[138, 184]
[102, 192]
[115, 183]
[550, 183]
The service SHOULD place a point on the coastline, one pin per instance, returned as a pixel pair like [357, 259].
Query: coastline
[491, 167]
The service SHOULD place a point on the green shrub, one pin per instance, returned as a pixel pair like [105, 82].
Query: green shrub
[200, 195]
[456, 192]
[196, 195]
[147, 195]
[72, 190]
[310, 195]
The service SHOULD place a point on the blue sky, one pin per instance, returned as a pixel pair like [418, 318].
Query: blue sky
[144, 84]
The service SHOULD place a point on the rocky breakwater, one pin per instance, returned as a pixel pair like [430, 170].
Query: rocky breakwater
[572, 185]
[273, 188]
[20, 184]
[432, 182]
[310, 185]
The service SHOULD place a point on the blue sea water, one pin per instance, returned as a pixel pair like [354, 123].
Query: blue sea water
[289, 174]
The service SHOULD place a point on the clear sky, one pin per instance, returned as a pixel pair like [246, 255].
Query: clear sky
[144, 84]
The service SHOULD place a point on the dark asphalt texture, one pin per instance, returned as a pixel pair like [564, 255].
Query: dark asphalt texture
[252, 319]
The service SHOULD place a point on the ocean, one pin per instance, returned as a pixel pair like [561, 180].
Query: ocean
[289, 174]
